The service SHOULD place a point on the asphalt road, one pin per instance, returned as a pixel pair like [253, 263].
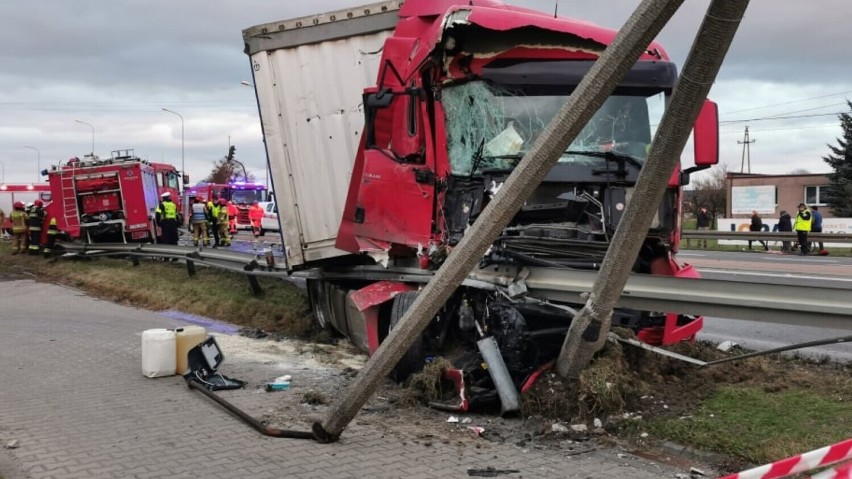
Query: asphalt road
[760, 267]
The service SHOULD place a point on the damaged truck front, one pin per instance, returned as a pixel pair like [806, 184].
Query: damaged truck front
[419, 112]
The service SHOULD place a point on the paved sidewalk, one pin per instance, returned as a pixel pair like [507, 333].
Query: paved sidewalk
[74, 398]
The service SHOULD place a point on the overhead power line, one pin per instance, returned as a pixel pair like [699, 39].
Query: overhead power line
[788, 102]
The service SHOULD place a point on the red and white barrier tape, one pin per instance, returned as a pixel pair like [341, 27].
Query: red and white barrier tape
[843, 471]
[802, 463]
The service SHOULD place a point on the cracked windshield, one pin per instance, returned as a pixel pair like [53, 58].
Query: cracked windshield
[490, 127]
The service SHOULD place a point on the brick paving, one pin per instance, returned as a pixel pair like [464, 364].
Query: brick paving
[74, 398]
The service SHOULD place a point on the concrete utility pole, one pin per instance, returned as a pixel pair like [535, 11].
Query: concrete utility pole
[635, 36]
[589, 328]
[746, 142]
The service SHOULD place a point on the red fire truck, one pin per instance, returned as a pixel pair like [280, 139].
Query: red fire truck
[111, 199]
[241, 194]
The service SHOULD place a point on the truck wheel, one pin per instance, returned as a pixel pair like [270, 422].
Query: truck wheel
[412, 361]
[319, 302]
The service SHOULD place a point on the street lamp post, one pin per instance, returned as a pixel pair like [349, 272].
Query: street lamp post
[182, 170]
[38, 165]
[93, 134]
[3, 165]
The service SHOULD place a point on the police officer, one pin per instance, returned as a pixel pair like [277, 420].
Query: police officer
[34, 222]
[167, 217]
[804, 220]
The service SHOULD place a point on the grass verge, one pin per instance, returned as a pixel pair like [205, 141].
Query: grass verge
[282, 309]
[760, 426]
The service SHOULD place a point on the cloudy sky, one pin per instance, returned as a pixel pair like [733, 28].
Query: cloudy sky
[114, 65]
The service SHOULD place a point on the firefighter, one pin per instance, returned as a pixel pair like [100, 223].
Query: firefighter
[198, 219]
[34, 222]
[255, 216]
[233, 212]
[223, 224]
[19, 228]
[167, 217]
[213, 210]
[52, 233]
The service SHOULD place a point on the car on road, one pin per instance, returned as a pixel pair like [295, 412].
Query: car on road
[269, 222]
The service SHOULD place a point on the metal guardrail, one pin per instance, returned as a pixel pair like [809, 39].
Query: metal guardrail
[766, 236]
[815, 306]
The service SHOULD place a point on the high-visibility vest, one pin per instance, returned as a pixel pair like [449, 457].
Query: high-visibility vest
[19, 221]
[804, 224]
[168, 209]
[199, 213]
[223, 214]
[214, 212]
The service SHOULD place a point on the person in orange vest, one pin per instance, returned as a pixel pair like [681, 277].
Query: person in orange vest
[255, 215]
[19, 228]
[233, 212]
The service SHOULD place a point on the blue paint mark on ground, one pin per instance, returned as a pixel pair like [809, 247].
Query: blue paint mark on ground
[208, 323]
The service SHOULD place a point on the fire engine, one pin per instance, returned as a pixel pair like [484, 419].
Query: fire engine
[241, 194]
[111, 199]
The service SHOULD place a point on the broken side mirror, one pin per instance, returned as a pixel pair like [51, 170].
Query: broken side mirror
[706, 136]
[379, 99]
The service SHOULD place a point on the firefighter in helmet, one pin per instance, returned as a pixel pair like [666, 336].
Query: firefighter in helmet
[35, 218]
[52, 233]
[19, 228]
[198, 219]
[167, 217]
[213, 215]
[222, 212]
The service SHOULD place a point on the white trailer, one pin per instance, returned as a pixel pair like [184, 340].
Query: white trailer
[309, 74]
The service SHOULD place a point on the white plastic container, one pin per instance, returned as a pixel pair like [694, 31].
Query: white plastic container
[187, 338]
[159, 352]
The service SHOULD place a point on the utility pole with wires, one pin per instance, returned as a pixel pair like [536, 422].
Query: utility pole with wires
[746, 151]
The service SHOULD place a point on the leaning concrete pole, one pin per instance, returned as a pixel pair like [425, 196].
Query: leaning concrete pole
[590, 327]
[634, 37]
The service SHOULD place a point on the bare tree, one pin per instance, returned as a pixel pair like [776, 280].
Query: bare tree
[711, 191]
[225, 171]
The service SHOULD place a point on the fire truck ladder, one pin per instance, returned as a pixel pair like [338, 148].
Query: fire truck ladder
[69, 200]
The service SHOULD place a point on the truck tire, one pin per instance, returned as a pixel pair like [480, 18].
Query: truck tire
[412, 361]
[319, 302]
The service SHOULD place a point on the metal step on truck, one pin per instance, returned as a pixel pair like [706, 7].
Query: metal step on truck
[389, 127]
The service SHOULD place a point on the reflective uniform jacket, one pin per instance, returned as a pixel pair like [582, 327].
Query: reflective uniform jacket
[804, 220]
[35, 219]
[199, 213]
[166, 210]
[19, 221]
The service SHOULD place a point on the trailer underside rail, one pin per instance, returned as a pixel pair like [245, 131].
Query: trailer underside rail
[815, 306]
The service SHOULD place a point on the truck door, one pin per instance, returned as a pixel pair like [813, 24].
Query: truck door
[396, 196]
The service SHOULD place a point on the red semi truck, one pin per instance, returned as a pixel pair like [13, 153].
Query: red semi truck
[110, 199]
[390, 126]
